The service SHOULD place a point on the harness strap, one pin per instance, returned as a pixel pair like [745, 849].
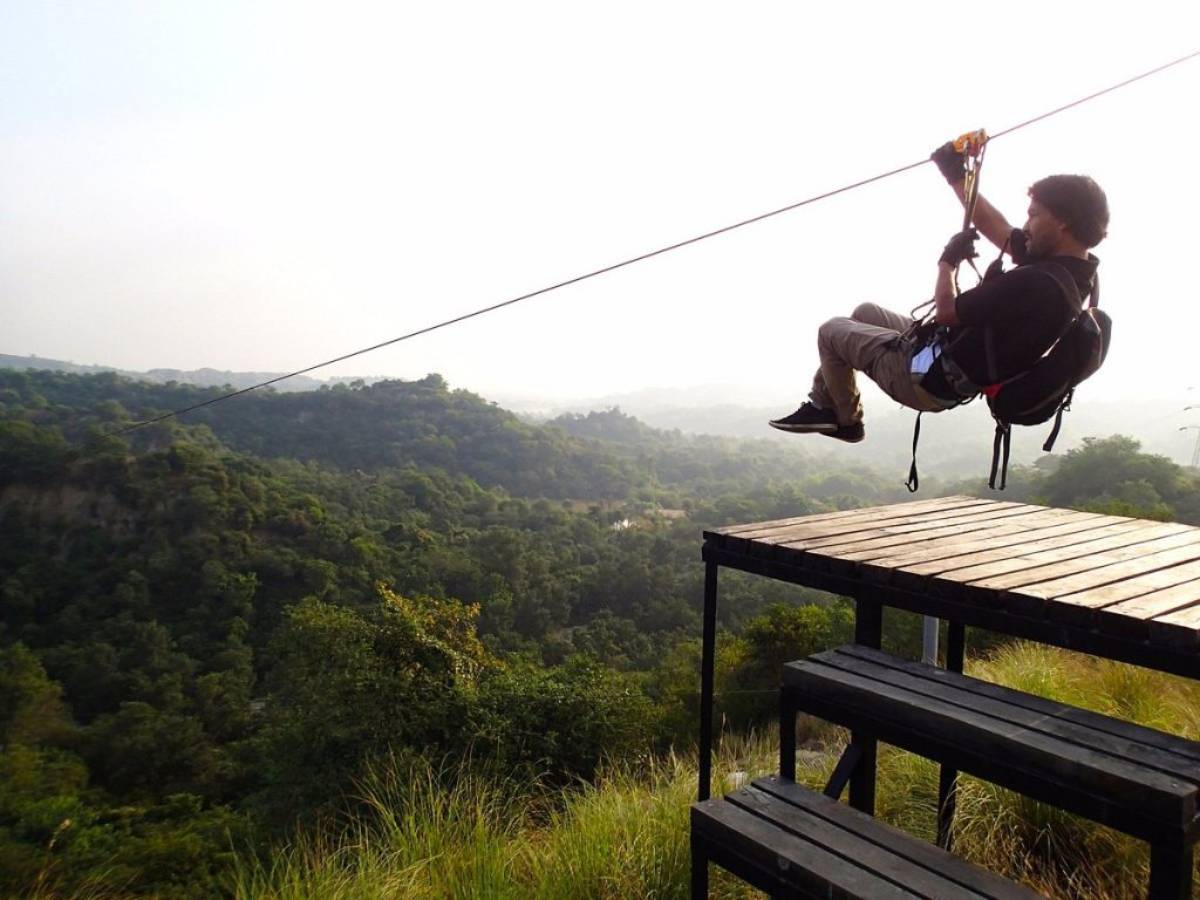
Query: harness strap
[1002, 441]
[1069, 291]
[989, 352]
[1062, 408]
[914, 481]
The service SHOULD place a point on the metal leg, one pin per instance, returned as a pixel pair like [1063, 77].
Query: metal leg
[868, 631]
[956, 646]
[787, 737]
[845, 767]
[862, 782]
[707, 655]
[956, 641]
[947, 802]
[699, 871]
[1170, 872]
[868, 622]
[930, 627]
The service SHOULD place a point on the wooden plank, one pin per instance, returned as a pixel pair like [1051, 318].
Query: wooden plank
[1143, 747]
[826, 531]
[952, 541]
[819, 536]
[1127, 543]
[1092, 571]
[943, 528]
[1129, 618]
[764, 845]
[920, 853]
[876, 855]
[881, 541]
[767, 525]
[898, 509]
[1135, 799]
[952, 579]
[931, 560]
[1133, 587]
[1187, 751]
[826, 552]
[861, 560]
[762, 542]
[1180, 628]
[760, 530]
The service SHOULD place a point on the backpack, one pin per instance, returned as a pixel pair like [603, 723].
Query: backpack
[1045, 389]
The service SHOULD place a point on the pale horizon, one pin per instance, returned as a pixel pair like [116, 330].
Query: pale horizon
[260, 187]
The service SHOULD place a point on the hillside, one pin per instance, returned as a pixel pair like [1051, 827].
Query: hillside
[215, 629]
[423, 423]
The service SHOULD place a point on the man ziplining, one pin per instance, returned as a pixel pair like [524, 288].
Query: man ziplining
[977, 339]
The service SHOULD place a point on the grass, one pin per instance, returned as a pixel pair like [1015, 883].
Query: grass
[422, 832]
[451, 833]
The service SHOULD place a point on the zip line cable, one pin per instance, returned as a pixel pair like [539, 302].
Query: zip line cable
[642, 257]
[1101, 93]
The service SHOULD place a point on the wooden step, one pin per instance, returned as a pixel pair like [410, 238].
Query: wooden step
[1135, 779]
[792, 842]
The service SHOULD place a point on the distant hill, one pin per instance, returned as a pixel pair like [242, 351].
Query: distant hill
[952, 446]
[427, 425]
[202, 377]
[955, 444]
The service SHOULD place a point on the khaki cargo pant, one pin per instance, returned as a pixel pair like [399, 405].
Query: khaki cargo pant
[869, 341]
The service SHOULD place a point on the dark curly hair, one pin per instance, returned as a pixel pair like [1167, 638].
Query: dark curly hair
[1078, 201]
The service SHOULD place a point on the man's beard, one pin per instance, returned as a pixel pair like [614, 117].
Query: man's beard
[1033, 251]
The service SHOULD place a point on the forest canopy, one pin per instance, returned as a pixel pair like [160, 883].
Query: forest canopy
[210, 628]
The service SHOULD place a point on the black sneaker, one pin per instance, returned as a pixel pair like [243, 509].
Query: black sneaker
[851, 434]
[808, 418]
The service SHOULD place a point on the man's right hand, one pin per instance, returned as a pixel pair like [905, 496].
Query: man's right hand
[950, 162]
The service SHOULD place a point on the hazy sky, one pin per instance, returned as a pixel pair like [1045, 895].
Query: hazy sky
[259, 186]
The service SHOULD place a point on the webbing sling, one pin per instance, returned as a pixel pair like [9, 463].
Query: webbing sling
[913, 481]
[1002, 441]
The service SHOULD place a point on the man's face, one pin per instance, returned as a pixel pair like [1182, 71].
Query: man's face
[1043, 231]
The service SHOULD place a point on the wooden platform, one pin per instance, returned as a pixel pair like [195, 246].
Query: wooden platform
[1117, 587]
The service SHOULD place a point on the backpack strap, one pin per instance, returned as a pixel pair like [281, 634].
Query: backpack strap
[1002, 441]
[1067, 285]
[1062, 408]
[913, 481]
[1070, 292]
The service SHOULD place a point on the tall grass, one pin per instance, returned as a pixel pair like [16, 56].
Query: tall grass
[449, 832]
[1056, 853]
[425, 832]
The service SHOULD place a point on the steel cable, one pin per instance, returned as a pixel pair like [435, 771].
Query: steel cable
[644, 256]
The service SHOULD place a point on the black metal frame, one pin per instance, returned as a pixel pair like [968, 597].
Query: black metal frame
[1171, 867]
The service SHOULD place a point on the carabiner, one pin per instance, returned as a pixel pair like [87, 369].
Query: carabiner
[971, 143]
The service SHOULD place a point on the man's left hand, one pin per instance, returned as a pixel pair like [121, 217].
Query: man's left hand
[959, 248]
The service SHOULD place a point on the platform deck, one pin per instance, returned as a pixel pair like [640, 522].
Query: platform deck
[1097, 583]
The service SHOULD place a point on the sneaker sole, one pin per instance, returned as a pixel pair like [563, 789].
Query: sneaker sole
[822, 428]
[847, 439]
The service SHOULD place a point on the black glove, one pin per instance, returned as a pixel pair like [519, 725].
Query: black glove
[959, 248]
[950, 162]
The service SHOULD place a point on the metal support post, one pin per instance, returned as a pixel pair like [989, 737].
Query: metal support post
[707, 661]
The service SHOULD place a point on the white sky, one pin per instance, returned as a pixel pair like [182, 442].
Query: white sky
[256, 186]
